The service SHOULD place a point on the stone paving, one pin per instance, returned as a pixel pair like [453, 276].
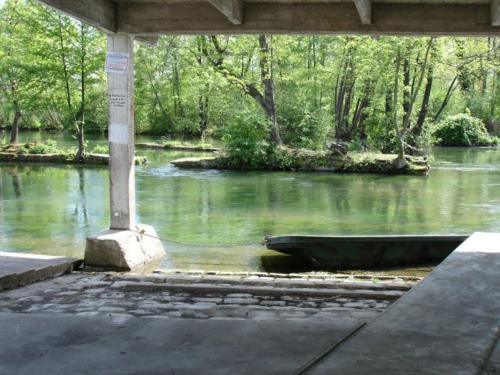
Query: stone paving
[210, 295]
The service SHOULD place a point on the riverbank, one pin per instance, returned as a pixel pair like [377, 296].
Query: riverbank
[62, 158]
[316, 161]
[50, 152]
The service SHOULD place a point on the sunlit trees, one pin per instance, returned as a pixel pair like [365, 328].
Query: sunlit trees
[382, 94]
[51, 68]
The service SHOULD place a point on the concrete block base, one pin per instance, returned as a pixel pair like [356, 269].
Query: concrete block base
[124, 250]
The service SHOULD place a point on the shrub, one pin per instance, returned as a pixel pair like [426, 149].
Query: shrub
[304, 128]
[246, 141]
[101, 149]
[49, 147]
[463, 130]
[284, 158]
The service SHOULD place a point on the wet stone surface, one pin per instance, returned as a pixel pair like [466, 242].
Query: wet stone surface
[208, 296]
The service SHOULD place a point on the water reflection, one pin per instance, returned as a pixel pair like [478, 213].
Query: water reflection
[16, 183]
[51, 209]
[80, 210]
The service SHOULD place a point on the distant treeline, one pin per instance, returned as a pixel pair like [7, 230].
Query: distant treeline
[384, 93]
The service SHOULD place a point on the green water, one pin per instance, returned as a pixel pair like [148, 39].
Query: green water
[51, 209]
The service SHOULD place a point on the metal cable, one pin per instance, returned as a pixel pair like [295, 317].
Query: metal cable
[143, 233]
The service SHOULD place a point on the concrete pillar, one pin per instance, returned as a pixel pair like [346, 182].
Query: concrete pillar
[120, 67]
[125, 246]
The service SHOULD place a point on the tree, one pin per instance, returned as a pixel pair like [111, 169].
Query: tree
[411, 89]
[265, 98]
[13, 75]
[305, 89]
[352, 92]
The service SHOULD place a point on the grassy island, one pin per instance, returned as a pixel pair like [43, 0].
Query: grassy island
[287, 159]
[178, 146]
[49, 153]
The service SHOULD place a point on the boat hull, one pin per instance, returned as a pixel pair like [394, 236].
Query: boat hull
[367, 251]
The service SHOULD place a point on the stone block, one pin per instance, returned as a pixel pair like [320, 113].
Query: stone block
[124, 250]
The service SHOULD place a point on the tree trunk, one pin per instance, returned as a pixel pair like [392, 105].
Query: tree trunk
[80, 134]
[268, 82]
[406, 88]
[178, 106]
[266, 99]
[203, 98]
[446, 98]
[14, 131]
[203, 114]
[422, 115]
[65, 70]
[80, 124]
[400, 161]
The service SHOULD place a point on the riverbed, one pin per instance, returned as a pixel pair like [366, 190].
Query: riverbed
[215, 220]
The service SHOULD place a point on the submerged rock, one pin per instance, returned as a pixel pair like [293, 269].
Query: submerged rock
[201, 163]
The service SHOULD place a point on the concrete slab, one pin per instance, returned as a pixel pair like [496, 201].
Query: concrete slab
[22, 269]
[447, 324]
[138, 250]
[69, 344]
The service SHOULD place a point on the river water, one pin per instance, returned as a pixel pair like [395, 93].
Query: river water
[51, 209]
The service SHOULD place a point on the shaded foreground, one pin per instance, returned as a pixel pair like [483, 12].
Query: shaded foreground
[447, 324]
[433, 328]
[112, 344]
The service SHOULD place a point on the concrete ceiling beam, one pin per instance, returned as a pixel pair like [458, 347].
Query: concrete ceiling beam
[231, 9]
[98, 13]
[364, 8]
[186, 17]
[495, 12]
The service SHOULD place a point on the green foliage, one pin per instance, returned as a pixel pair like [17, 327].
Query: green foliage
[48, 64]
[184, 143]
[304, 129]
[180, 93]
[101, 149]
[463, 130]
[246, 140]
[284, 158]
[49, 147]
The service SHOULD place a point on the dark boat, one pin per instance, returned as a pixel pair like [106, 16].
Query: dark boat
[367, 251]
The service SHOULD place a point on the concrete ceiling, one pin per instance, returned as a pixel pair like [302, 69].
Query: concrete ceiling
[148, 18]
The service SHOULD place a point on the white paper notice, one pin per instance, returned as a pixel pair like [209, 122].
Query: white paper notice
[117, 62]
[118, 134]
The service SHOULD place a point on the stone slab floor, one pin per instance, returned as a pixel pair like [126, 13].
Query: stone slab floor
[205, 296]
[183, 323]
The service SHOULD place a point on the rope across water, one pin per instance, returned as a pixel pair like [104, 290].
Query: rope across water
[241, 244]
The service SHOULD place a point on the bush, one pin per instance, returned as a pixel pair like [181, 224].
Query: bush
[246, 140]
[50, 147]
[463, 130]
[101, 149]
[303, 128]
[284, 158]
